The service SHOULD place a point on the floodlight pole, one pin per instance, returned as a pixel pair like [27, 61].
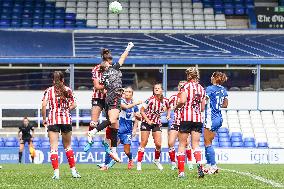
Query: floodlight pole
[165, 78]
[257, 85]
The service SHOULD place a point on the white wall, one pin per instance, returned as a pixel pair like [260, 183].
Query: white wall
[237, 100]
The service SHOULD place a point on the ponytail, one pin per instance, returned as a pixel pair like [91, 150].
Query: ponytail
[59, 87]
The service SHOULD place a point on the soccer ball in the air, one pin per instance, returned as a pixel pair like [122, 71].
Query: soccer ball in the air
[115, 7]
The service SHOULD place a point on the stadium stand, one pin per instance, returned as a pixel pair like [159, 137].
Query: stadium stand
[241, 129]
[169, 14]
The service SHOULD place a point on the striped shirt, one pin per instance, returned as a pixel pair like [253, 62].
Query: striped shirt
[97, 75]
[173, 100]
[59, 112]
[191, 111]
[154, 108]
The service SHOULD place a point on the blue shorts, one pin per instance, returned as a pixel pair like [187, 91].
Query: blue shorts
[214, 124]
[125, 138]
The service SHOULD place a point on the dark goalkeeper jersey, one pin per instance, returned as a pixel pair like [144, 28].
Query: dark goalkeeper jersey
[26, 131]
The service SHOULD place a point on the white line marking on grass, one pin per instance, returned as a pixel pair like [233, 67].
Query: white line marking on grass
[255, 177]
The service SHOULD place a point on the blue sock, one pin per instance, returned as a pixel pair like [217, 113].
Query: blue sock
[207, 155]
[211, 152]
[129, 156]
[107, 159]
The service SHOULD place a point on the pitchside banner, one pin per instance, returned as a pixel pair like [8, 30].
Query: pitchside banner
[270, 17]
[223, 156]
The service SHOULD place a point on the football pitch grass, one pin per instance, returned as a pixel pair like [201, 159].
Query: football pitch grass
[232, 176]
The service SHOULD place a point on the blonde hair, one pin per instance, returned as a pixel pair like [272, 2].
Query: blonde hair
[192, 73]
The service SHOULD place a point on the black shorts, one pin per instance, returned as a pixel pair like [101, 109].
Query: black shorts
[63, 128]
[25, 140]
[113, 103]
[146, 127]
[173, 127]
[98, 102]
[189, 126]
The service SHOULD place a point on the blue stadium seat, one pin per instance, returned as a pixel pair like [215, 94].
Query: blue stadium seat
[59, 10]
[59, 16]
[223, 130]
[45, 145]
[48, 16]
[2, 144]
[45, 139]
[80, 23]
[7, 4]
[236, 139]
[28, 10]
[97, 145]
[18, 4]
[2, 139]
[136, 138]
[26, 23]
[38, 16]
[10, 144]
[236, 134]
[262, 145]
[229, 11]
[135, 144]
[249, 144]
[215, 143]
[74, 138]
[27, 16]
[97, 139]
[49, 10]
[120, 146]
[39, 10]
[74, 144]
[222, 135]
[18, 10]
[82, 144]
[7, 10]
[5, 23]
[17, 16]
[70, 16]
[237, 144]
[28, 4]
[11, 139]
[39, 4]
[225, 144]
[5, 16]
[239, 10]
[224, 139]
[37, 139]
[49, 4]
[37, 23]
[250, 139]
[16, 23]
[201, 139]
[48, 23]
[201, 144]
[58, 23]
[83, 139]
[37, 144]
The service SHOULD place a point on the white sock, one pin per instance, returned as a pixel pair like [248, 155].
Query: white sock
[113, 149]
[56, 172]
[94, 131]
[73, 170]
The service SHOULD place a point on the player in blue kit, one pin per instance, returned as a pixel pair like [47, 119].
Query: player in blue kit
[216, 98]
[128, 122]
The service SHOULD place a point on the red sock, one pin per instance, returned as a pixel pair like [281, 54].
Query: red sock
[181, 160]
[188, 154]
[197, 156]
[54, 160]
[140, 156]
[70, 157]
[157, 154]
[172, 154]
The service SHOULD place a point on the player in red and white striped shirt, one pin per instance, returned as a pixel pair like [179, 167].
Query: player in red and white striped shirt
[151, 121]
[60, 100]
[173, 126]
[192, 103]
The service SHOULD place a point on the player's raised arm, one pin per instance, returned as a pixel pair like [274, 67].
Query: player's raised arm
[125, 54]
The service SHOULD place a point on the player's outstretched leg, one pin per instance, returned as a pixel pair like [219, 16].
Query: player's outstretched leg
[93, 132]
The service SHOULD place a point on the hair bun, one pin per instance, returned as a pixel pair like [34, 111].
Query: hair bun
[105, 52]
